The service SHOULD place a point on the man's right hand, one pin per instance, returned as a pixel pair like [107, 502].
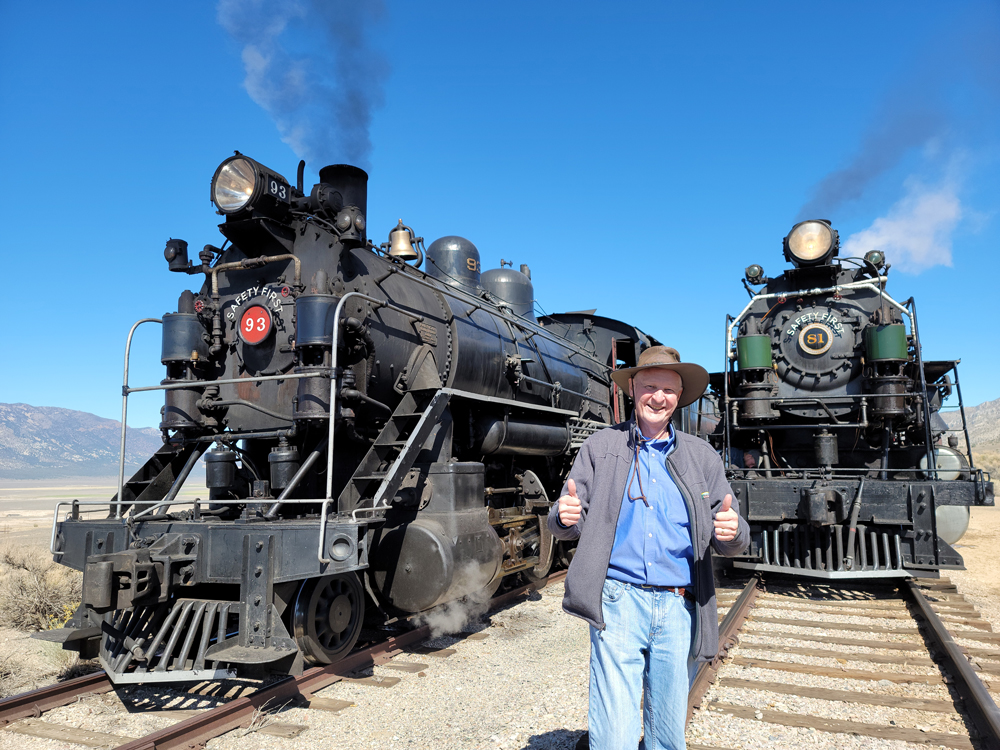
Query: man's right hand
[569, 506]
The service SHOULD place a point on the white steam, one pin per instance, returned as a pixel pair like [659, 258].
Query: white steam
[915, 234]
[454, 616]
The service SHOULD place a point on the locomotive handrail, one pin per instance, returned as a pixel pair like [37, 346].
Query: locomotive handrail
[323, 373]
[965, 424]
[812, 293]
[924, 401]
[335, 334]
[125, 392]
[516, 320]
[168, 499]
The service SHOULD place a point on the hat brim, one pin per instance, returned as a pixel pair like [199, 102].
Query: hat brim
[694, 379]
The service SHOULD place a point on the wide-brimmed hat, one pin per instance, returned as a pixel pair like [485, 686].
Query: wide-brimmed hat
[694, 378]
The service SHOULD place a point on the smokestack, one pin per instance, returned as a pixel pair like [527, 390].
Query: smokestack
[352, 184]
[350, 181]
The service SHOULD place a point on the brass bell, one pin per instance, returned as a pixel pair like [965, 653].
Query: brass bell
[400, 244]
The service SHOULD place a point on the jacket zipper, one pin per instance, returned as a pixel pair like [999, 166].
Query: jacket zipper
[686, 494]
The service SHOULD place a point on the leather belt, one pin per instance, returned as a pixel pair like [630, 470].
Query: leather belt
[676, 590]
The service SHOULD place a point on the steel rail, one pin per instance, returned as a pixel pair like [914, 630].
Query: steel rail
[213, 722]
[978, 702]
[36, 702]
[728, 629]
[199, 729]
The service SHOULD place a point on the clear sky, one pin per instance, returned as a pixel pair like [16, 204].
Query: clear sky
[638, 156]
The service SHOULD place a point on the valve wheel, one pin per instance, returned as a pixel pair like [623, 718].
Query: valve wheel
[327, 617]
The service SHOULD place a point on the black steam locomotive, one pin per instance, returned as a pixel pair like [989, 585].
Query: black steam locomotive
[829, 423]
[378, 439]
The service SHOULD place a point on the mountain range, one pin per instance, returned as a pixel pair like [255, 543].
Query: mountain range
[983, 422]
[41, 442]
[38, 442]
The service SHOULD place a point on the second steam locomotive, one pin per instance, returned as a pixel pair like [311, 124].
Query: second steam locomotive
[378, 439]
[830, 424]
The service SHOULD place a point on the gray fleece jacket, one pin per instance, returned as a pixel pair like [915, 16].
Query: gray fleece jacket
[600, 472]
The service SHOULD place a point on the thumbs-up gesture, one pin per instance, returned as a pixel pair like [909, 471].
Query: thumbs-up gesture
[727, 521]
[569, 506]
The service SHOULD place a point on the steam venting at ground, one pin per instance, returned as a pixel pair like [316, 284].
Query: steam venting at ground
[308, 63]
[931, 128]
[455, 616]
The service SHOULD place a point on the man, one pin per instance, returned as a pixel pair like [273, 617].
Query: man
[646, 502]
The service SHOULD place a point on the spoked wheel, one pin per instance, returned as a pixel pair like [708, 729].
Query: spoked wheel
[327, 618]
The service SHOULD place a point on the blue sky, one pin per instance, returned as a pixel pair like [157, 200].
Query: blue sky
[638, 156]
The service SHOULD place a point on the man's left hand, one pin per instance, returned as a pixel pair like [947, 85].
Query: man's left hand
[727, 521]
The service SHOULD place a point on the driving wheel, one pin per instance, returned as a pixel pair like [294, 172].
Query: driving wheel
[327, 617]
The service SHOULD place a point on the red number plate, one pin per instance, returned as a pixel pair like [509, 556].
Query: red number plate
[255, 324]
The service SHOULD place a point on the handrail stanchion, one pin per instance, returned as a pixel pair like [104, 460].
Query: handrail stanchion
[335, 335]
[121, 457]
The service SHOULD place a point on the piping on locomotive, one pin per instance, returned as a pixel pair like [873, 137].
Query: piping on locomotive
[456, 415]
[830, 427]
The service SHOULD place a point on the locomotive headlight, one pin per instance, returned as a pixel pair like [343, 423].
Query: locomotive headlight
[810, 243]
[241, 184]
[233, 184]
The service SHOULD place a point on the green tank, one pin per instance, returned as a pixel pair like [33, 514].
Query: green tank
[886, 342]
[754, 352]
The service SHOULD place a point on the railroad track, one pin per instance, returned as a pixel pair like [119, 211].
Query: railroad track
[912, 662]
[245, 704]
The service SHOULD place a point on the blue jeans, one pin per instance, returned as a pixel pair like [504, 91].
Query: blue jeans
[643, 650]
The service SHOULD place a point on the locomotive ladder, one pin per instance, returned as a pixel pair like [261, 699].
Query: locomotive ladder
[153, 480]
[381, 472]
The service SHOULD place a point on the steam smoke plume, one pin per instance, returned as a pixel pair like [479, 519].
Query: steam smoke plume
[939, 113]
[322, 94]
[907, 122]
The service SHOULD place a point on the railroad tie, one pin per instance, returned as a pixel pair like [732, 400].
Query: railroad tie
[849, 674]
[45, 730]
[839, 726]
[405, 666]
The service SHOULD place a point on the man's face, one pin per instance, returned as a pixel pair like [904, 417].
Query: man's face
[656, 392]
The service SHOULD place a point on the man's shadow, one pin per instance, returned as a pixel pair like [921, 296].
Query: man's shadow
[557, 739]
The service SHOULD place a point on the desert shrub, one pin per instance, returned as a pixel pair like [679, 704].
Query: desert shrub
[35, 592]
[989, 461]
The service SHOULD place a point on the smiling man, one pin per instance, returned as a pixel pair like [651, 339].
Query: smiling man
[646, 503]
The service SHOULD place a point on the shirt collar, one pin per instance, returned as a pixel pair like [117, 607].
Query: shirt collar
[636, 435]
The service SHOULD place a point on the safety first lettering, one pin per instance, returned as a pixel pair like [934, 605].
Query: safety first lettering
[270, 297]
[831, 320]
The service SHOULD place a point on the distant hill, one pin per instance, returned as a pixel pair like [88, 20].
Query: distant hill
[984, 424]
[38, 442]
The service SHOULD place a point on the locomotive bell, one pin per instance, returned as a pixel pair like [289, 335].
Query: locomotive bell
[400, 244]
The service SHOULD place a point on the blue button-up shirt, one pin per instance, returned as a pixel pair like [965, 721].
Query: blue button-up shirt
[653, 542]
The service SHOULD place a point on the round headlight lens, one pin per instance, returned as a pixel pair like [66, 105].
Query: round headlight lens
[234, 185]
[810, 240]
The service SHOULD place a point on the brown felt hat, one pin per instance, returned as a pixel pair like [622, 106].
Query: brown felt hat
[694, 378]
